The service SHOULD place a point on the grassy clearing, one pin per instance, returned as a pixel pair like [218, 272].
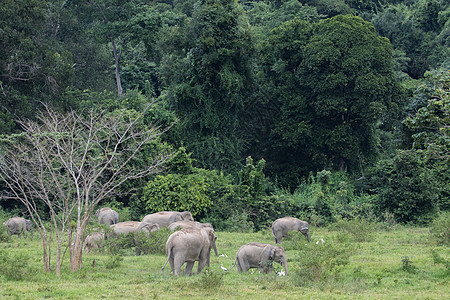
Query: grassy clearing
[394, 264]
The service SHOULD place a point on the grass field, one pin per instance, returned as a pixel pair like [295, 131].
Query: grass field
[400, 263]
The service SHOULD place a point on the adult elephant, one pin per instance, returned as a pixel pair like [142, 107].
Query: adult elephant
[258, 255]
[282, 226]
[165, 218]
[189, 224]
[188, 246]
[134, 228]
[18, 225]
[107, 216]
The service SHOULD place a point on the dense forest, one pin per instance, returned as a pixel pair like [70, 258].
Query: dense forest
[318, 109]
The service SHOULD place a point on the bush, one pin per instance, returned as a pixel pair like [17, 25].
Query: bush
[113, 261]
[440, 229]
[319, 261]
[405, 188]
[153, 244]
[4, 236]
[359, 229]
[14, 267]
[211, 279]
[177, 192]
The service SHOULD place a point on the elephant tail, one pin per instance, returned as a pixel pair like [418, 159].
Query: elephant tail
[162, 269]
[235, 261]
[169, 252]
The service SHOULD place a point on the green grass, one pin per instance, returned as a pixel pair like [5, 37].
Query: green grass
[372, 269]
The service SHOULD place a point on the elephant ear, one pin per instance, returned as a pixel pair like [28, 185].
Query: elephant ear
[272, 254]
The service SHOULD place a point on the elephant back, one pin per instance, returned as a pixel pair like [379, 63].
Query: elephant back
[163, 218]
[107, 216]
[125, 227]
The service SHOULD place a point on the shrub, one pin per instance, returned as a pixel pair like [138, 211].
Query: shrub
[153, 244]
[4, 237]
[211, 279]
[113, 261]
[360, 229]
[405, 188]
[319, 261]
[15, 266]
[440, 229]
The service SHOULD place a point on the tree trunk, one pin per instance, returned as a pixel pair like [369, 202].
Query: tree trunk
[116, 59]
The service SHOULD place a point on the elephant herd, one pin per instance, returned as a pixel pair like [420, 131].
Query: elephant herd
[190, 241]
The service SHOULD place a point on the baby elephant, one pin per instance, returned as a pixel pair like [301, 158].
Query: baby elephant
[258, 255]
[282, 226]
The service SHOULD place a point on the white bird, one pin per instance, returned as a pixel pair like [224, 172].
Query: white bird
[281, 273]
[223, 268]
[223, 255]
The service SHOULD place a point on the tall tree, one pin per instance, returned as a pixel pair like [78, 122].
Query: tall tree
[210, 89]
[71, 163]
[333, 80]
[34, 67]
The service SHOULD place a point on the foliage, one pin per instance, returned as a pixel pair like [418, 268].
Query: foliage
[211, 279]
[341, 72]
[440, 229]
[153, 244]
[212, 82]
[405, 188]
[319, 261]
[14, 266]
[177, 192]
[113, 262]
[431, 123]
[361, 230]
[330, 196]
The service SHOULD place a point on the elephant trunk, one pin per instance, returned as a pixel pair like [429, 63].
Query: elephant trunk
[284, 263]
[307, 236]
[215, 249]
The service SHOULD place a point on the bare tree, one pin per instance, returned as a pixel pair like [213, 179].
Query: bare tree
[71, 162]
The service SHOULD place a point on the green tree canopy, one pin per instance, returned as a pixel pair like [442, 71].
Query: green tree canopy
[333, 80]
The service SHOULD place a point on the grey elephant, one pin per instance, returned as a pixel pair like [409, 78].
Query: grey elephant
[93, 241]
[188, 246]
[18, 225]
[282, 226]
[165, 218]
[107, 216]
[258, 255]
[188, 224]
[134, 227]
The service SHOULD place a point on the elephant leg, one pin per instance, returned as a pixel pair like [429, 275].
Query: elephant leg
[201, 264]
[242, 265]
[177, 263]
[189, 266]
[171, 262]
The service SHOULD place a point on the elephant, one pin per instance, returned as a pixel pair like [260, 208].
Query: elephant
[184, 224]
[282, 226]
[165, 218]
[107, 216]
[189, 245]
[258, 255]
[18, 225]
[94, 241]
[133, 227]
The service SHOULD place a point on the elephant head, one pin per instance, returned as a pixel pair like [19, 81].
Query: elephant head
[187, 216]
[147, 227]
[277, 254]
